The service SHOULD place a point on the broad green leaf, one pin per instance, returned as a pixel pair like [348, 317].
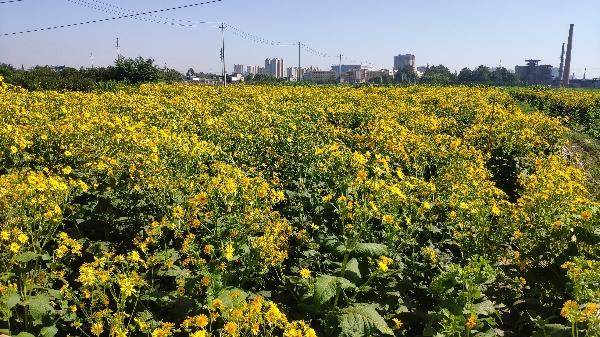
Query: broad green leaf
[484, 308]
[26, 257]
[24, 334]
[232, 297]
[352, 270]
[362, 319]
[553, 330]
[39, 306]
[335, 246]
[326, 286]
[12, 298]
[370, 249]
[49, 331]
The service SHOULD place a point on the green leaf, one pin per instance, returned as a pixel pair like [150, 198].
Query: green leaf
[232, 297]
[335, 246]
[39, 306]
[24, 334]
[362, 319]
[26, 257]
[352, 270]
[370, 249]
[12, 299]
[49, 331]
[484, 308]
[553, 330]
[326, 286]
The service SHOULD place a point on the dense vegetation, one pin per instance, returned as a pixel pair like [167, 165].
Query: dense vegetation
[130, 71]
[291, 211]
[580, 107]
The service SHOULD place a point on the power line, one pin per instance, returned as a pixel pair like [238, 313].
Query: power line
[7, 2]
[111, 9]
[111, 18]
[117, 12]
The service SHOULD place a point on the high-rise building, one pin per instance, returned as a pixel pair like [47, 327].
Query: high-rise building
[252, 70]
[275, 67]
[238, 69]
[402, 61]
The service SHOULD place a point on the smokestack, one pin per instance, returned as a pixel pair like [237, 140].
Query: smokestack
[567, 69]
[562, 64]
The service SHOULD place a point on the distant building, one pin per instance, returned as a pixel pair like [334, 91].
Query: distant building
[402, 61]
[534, 73]
[239, 69]
[320, 76]
[275, 67]
[238, 77]
[294, 73]
[373, 74]
[346, 68]
[252, 70]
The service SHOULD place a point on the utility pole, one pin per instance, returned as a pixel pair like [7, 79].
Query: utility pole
[92, 59]
[118, 50]
[584, 71]
[298, 72]
[341, 67]
[224, 72]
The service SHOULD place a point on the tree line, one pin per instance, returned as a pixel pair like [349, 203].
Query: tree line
[124, 71]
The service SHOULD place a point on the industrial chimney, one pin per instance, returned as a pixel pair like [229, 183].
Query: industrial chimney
[567, 69]
[562, 64]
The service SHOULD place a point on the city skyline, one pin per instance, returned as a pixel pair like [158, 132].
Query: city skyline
[457, 35]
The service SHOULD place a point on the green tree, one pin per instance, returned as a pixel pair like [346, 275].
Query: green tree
[438, 75]
[406, 75]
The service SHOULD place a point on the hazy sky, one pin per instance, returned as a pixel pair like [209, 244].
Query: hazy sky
[455, 33]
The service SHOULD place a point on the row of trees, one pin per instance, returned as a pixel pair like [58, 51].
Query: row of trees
[442, 75]
[125, 70]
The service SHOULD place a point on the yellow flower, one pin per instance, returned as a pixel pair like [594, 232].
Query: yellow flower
[208, 249]
[67, 170]
[361, 175]
[22, 238]
[397, 323]
[568, 308]
[201, 320]
[383, 263]
[178, 212]
[200, 333]
[387, 219]
[217, 304]
[495, 210]
[586, 215]
[305, 273]
[14, 247]
[471, 321]
[97, 328]
[127, 286]
[228, 252]
[231, 328]
[5, 235]
[13, 149]
[591, 309]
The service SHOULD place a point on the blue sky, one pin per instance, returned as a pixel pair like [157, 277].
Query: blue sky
[454, 33]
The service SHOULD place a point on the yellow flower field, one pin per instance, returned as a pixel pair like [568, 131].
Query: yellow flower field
[177, 210]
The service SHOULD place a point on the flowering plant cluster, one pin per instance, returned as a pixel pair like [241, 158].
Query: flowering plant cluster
[176, 210]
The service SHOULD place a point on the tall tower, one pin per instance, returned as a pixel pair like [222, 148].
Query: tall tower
[567, 69]
[562, 64]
